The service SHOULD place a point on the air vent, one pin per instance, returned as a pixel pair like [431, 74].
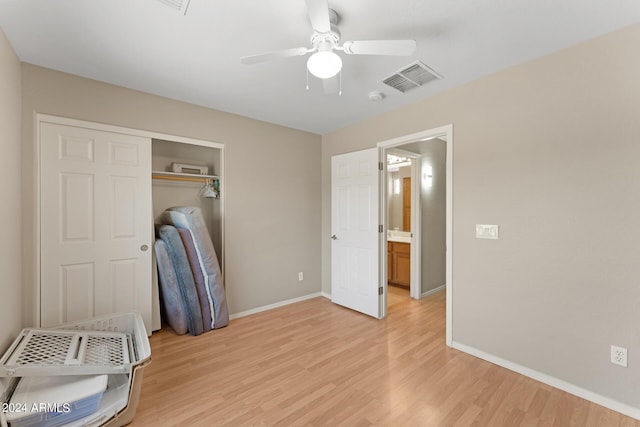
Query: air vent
[180, 5]
[412, 76]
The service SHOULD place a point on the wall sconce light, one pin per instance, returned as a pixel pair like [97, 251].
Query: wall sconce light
[427, 176]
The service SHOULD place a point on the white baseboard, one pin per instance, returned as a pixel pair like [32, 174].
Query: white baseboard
[275, 305]
[553, 381]
[433, 291]
[326, 295]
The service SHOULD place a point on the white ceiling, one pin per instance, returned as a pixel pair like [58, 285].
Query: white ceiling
[148, 46]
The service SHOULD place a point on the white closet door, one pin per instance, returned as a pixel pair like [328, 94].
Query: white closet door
[96, 225]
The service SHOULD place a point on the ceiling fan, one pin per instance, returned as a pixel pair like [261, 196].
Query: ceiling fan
[324, 63]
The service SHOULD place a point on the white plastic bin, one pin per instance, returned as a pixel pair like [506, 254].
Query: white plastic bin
[119, 402]
[55, 401]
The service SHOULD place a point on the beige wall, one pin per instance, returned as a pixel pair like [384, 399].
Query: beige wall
[272, 181]
[434, 216]
[561, 284]
[10, 242]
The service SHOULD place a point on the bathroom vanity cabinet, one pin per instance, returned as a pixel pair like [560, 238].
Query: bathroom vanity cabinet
[399, 264]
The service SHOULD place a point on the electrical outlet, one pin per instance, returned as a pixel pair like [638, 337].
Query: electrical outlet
[300, 276]
[619, 356]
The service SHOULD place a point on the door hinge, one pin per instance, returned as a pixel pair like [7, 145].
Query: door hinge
[380, 166]
[380, 290]
[380, 230]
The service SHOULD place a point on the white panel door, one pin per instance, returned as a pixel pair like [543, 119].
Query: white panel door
[355, 236]
[96, 224]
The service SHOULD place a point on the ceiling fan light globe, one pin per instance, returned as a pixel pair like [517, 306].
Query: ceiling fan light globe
[324, 64]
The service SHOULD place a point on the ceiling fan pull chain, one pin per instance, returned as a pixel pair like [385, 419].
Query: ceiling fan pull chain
[340, 83]
[307, 79]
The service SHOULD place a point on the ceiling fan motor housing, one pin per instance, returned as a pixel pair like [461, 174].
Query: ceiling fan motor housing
[331, 39]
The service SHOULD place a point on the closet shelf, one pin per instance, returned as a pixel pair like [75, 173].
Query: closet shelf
[176, 176]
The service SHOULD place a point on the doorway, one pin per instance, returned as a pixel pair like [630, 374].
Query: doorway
[402, 224]
[432, 176]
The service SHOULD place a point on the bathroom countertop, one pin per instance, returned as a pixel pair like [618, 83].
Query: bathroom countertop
[399, 236]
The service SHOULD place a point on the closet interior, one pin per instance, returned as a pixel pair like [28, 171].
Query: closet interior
[189, 186]
[184, 189]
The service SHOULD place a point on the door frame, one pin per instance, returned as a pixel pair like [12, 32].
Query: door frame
[415, 285]
[46, 118]
[384, 146]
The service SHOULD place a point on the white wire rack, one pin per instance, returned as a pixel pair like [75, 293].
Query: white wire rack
[48, 352]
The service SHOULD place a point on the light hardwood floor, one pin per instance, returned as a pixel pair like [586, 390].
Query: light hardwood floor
[315, 363]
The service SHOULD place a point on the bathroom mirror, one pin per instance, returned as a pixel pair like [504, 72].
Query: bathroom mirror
[399, 194]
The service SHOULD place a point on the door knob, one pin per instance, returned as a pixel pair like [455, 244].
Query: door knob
[334, 237]
[144, 248]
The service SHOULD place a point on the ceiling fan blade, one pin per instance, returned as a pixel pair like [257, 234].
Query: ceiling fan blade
[380, 47]
[319, 15]
[331, 85]
[278, 54]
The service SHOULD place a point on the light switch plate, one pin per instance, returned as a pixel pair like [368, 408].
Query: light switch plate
[487, 231]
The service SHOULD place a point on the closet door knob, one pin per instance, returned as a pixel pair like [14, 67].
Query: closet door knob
[144, 248]
[334, 237]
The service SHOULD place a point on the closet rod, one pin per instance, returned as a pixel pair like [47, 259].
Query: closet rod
[176, 176]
